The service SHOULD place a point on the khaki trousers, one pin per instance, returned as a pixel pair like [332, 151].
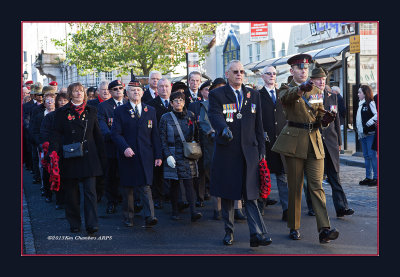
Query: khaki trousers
[314, 169]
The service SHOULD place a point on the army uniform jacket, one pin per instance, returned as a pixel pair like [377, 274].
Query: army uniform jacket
[293, 141]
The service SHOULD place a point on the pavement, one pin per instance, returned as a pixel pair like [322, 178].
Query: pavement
[46, 231]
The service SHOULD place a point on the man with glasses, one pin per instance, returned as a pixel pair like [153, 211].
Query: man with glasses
[273, 121]
[300, 141]
[152, 91]
[235, 115]
[105, 116]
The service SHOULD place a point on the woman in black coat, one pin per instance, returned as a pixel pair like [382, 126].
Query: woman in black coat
[178, 167]
[77, 122]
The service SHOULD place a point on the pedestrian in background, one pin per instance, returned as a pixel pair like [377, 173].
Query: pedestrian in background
[152, 91]
[91, 93]
[366, 119]
[341, 105]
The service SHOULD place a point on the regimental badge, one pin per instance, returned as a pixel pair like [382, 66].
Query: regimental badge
[315, 98]
[110, 121]
[132, 113]
[253, 108]
[333, 108]
[150, 124]
[248, 95]
[145, 109]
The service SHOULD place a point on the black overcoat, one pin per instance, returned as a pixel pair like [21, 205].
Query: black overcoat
[67, 131]
[143, 137]
[235, 164]
[157, 104]
[331, 136]
[274, 120]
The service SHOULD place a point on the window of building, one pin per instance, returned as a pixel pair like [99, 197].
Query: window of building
[25, 57]
[250, 47]
[273, 48]
[231, 50]
[258, 51]
[109, 76]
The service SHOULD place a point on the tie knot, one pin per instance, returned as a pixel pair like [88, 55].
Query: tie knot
[166, 102]
[119, 103]
[272, 91]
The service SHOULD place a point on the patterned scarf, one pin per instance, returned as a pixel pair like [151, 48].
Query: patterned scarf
[79, 109]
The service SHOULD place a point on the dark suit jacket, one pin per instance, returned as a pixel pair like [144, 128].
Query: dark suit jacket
[47, 126]
[146, 96]
[195, 108]
[331, 136]
[36, 117]
[236, 161]
[157, 104]
[94, 102]
[273, 122]
[68, 131]
[105, 115]
[189, 99]
[142, 136]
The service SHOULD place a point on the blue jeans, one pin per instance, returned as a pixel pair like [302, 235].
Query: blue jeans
[370, 157]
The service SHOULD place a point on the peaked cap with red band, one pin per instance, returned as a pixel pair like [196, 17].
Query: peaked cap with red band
[135, 83]
[300, 59]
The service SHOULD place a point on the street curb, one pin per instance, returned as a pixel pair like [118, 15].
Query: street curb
[29, 242]
[351, 162]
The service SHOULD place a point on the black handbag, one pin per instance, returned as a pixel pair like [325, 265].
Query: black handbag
[191, 150]
[74, 150]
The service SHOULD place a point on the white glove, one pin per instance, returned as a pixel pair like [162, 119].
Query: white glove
[171, 161]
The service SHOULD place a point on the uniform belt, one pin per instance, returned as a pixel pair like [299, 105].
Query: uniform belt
[307, 126]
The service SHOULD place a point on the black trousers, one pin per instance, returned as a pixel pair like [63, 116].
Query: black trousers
[112, 181]
[200, 182]
[174, 194]
[160, 187]
[27, 152]
[35, 163]
[72, 201]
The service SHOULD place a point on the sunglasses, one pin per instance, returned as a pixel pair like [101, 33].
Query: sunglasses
[117, 88]
[270, 73]
[237, 71]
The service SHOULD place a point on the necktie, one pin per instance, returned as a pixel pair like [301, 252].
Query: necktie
[119, 104]
[166, 103]
[239, 96]
[273, 96]
[155, 94]
[137, 112]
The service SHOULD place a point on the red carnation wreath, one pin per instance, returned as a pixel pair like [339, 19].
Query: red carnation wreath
[265, 179]
[51, 167]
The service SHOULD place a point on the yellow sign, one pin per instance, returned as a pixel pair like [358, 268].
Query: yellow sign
[354, 44]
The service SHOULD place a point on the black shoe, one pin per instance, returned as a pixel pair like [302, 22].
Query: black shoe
[217, 215]
[228, 239]
[365, 182]
[294, 234]
[158, 205]
[137, 207]
[176, 217]
[150, 221]
[75, 229]
[259, 239]
[270, 202]
[128, 223]
[284, 215]
[326, 235]
[373, 183]
[311, 213]
[200, 204]
[110, 208]
[342, 213]
[239, 215]
[182, 206]
[92, 230]
[196, 216]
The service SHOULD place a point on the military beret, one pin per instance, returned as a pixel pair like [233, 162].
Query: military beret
[178, 85]
[300, 59]
[29, 83]
[217, 81]
[205, 84]
[317, 73]
[114, 83]
[54, 83]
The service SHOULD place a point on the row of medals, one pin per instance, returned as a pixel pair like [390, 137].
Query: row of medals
[229, 110]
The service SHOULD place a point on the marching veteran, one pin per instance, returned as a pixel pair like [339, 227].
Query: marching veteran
[135, 133]
[301, 143]
[235, 115]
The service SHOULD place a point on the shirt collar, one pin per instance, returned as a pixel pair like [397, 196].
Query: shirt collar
[193, 93]
[116, 102]
[139, 106]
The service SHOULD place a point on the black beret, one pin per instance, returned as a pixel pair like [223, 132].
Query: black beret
[205, 84]
[114, 83]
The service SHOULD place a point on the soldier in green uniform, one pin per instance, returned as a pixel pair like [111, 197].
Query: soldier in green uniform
[301, 143]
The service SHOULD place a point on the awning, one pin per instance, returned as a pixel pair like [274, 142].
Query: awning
[323, 55]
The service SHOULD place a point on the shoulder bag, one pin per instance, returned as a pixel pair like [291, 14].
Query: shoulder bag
[74, 150]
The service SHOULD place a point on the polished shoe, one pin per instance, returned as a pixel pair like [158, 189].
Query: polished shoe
[158, 205]
[294, 234]
[270, 202]
[137, 207]
[176, 217]
[326, 235]
[239, 215]
[217, 215]
[365, 182]
[373, 183]
[110, 208]
[344, 212]
[311, 213]
[200, 204]
[284, 215]
[75, 229]
[150, 221]
[228, 239]
[92, 230]
[259, 239]
[196, 216]
[128, 223]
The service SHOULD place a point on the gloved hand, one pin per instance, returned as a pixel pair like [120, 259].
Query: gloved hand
[262, 156]
[306, 86]
[227, 134]
[211, 135]
[171, 161]
[328, 118]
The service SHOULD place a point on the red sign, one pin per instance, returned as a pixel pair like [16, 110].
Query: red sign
[258, 31]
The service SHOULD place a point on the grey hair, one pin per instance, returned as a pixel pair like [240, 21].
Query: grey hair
[154, 72]
[103, 83]
[335, 88]
[162, 80]
[266, 67]
[230, 64]
[194, 73]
